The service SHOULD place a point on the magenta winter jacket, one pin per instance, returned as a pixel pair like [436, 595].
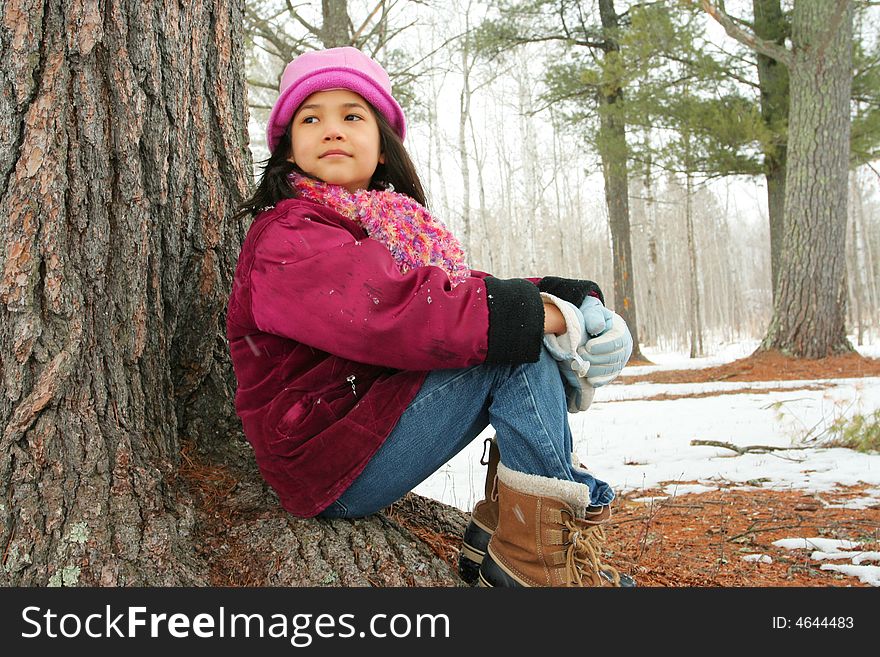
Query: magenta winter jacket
[330, 342]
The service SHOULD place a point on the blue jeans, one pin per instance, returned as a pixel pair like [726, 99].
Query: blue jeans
[526, 405]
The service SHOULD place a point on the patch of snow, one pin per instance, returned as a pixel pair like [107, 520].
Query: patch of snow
[679, 360]
[817, 543]
[855, 557]
[858, 502]
[866, 556]
[760, 558]
[830, 556]
[866, 574]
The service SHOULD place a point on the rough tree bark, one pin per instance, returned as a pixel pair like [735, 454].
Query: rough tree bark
[122, 154]
[123, 151]
[613, 152]
[809, 315]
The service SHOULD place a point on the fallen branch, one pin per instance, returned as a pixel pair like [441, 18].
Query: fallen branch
[764, 529]
[614, 523]
[755, 449]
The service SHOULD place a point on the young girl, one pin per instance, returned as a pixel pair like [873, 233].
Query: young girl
[368, 353]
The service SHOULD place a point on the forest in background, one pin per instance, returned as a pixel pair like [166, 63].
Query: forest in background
[508, 146]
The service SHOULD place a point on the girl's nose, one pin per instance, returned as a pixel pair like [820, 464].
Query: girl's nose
[332, 133]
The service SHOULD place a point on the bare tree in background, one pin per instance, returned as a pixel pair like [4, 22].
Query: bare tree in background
[474, 77]
[861, 263]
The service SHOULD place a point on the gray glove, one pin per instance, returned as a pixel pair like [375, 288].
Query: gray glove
[597, 318]
[607, 353]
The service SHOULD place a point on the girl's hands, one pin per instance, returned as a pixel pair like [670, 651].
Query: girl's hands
[608, 353]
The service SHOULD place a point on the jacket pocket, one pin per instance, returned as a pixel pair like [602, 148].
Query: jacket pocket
[295, 425]
[301, 416]
[295, 417]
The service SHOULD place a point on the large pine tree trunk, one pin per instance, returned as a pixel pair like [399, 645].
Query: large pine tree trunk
[810, 306]
[613, 152]
[123, 150]
[122, 155]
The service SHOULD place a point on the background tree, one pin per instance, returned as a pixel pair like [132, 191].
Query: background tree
[773, 26]
[809, 318]
[693, 121]
[597, 31]
[681, 113]
[771, 23]
[861, 258]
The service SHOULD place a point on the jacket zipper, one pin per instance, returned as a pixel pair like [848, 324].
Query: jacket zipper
[350, 378]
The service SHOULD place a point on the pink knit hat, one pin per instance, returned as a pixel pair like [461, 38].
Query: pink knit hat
[335, 68]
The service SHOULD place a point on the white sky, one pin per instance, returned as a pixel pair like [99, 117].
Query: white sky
[635, 444]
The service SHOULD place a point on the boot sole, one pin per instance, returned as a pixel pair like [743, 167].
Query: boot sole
[468, 569]
[473, 551]
[492, 575]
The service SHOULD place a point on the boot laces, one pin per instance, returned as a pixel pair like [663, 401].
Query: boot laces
[582, 564]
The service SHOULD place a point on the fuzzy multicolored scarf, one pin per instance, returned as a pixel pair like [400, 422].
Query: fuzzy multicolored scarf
[405, 227]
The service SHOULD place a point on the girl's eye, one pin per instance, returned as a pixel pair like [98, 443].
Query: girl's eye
[353, 116]
[310, 119]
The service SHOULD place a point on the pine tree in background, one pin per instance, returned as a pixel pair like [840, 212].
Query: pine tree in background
[809, 312]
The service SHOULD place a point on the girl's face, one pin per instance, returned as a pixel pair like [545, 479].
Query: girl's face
[335, 137]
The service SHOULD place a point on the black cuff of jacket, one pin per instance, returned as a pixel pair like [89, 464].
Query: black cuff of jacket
[516, 321]
[572, 290]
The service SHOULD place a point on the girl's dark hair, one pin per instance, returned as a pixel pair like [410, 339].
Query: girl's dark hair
[398, 172]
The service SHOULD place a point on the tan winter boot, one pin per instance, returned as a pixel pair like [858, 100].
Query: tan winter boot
[544, 536]
[484, 519]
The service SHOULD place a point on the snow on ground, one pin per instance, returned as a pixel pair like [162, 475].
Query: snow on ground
[760, 558]
[671, 360]
[638, 444]
[634, 443]
[841, 550]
